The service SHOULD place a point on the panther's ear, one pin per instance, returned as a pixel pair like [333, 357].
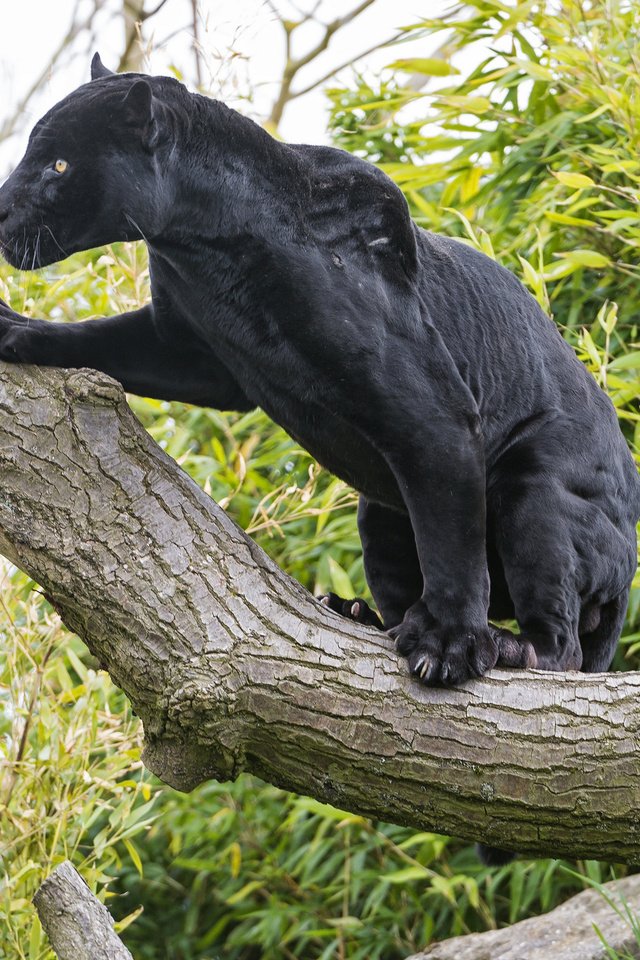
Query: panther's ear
[137, 103]
[138, 111]
[98, 68]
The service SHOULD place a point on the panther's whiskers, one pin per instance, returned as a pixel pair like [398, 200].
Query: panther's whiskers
[53, 237]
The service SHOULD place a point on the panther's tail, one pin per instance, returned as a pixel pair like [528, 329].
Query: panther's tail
[494, 856]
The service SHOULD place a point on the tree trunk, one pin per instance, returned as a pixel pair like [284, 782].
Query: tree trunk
[77, 924]
[233, 666]
[133, 15]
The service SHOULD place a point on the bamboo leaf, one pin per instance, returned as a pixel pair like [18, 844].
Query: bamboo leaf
[628, 361]
[408, 874]
[135, 856]
[575, 180]
[430, 66]
[340, 580]
[586, 258]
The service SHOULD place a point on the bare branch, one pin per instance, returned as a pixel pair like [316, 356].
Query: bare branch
[76, 27]
[346, 63]
[132, 56]
[135, 16]
[330, 29]
[77, 924]
[197, 52]
[146, 15]
[293, 65]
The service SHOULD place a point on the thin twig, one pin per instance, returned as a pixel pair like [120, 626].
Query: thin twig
[75, 28]
[197, 53]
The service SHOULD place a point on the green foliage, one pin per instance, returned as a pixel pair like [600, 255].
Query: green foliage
[538, 144]
[262, 874]
[271, 875]
[71, 781]
[532, 156]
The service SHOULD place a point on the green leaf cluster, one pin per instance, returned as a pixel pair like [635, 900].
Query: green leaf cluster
[72, 785]
[537, 145]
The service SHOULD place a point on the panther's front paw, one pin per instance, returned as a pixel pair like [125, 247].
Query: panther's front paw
[11, 332]
[355, 609]
[444, 656]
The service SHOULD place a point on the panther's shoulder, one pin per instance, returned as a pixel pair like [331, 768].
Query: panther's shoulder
[355, 206]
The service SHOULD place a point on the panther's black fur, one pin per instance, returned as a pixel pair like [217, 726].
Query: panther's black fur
[494, 479]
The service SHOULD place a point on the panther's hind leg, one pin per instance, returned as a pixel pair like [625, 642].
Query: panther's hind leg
[535, 529]
[569, 572]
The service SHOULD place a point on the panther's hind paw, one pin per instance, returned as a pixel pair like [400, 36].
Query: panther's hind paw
[515, 651]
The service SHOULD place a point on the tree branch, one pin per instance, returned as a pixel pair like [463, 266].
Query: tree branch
[567, 933]
[134, 16]
[293, 94]
[329, 30]
[233, 666]
[76, 27]
[77, 924]
[197, 50]
[293, 65]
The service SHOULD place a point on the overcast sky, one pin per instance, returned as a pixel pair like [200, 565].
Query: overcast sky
[31, 30]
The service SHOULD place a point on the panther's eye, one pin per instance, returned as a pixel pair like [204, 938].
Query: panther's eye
[60, 166]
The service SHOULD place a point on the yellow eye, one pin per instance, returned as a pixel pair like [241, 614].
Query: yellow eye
[60, 166]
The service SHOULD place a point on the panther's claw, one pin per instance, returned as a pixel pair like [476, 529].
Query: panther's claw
[444, 656]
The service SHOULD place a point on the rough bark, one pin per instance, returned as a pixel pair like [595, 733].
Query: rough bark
[567, 933]
[77, 924]
[233, 666]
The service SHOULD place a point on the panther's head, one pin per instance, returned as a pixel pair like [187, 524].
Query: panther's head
[91, 173]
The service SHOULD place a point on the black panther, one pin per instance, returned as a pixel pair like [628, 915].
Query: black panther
[494, 480]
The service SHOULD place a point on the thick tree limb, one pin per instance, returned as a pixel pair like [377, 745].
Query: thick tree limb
[77, 924]
[232, 666]
[567, 933]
